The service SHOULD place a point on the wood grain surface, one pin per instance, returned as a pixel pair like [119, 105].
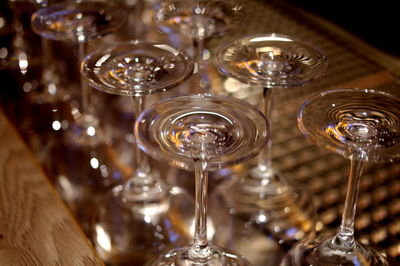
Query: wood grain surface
[35, 226]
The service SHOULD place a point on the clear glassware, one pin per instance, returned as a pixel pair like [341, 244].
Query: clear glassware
[21, 55]
[199, 20]
[81, 181]
[144, 215]
[80, 22]
[201, 132]
[361, 125]
[262, 194]
[50, 91]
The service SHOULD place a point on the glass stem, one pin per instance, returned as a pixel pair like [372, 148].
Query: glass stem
[48, 72]
[345, 237]
[265, 156]
[142, 161]
[200, 242]
[138, 10]
[84, 86]
[198, 44]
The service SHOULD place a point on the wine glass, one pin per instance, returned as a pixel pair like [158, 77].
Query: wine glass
[50, 90]
[80, 22]
[199, 20]
[201, 132]
[262, 194]
[361, 125]
[144, 215]
[83, 162]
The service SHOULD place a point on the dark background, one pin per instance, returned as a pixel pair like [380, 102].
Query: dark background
[375, 22]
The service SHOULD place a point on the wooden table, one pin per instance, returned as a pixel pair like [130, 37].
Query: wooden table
[36, 228]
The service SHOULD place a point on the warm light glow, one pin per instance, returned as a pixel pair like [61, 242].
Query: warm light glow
[23, 62]
[261, 218]
[103, 239]
[94, 163]
[56, 125]
[91, 131]
[52, 88]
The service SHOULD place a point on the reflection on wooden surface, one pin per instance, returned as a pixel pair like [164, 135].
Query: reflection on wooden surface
[35, 226]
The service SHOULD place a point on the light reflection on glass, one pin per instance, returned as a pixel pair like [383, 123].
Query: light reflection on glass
[56, 125]
[210, 229]
[23, 63]
[94, 163]
[3, 53]
[147, 219]
[52, 88]
[68, 189]
[104, 171]
[2, 22]
[27, 87]
[270, 38]
[91, 131]
[103, 239]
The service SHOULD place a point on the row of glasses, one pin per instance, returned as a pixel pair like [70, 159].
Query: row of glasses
[284, 65]
[197, 25]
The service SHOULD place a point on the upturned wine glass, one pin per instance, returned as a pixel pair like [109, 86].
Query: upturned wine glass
[263, 195]
[50, 90]
[201, 132]
[144, 215]
[361, 125]
[199, 20]
[80, 22]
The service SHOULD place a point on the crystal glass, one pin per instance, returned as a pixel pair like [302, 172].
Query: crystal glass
[21, 56]
[80, 181]
[50, 90]
[262, 194]
[80, 22]
[199, 20]
[361, 125]
[144, 215]
[201, 132]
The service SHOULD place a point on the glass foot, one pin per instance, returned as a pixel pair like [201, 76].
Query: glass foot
[323, 252]
[281, 211]
[86, 131]
[209, 256]
[134, 230]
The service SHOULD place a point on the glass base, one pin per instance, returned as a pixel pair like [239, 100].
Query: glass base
[264, 198]
[241, 236]
[135, 230]
[49, 94]
[86, 131]
[82, 175]
[212, 256]
[322, 252]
